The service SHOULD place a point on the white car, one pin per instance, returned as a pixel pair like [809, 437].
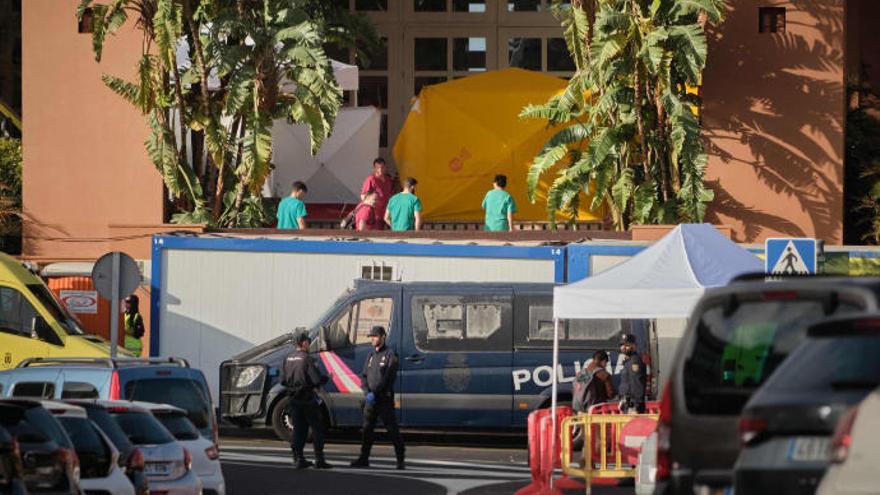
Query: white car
[855, 451]
[168, 464]
[98, 457]
[205, 455]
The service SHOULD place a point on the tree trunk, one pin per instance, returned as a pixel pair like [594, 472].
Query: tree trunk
[663, 151]
[643, 139]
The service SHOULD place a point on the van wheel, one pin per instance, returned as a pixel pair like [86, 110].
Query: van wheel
[281, 421]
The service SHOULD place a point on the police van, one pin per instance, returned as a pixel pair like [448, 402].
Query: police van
[472, 355]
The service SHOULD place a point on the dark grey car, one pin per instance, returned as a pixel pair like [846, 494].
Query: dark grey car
[736, 337]
[786, 427]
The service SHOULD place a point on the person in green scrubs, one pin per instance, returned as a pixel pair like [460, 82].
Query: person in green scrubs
[404, 211]
[499, 206]
[291, 210]
[134, 325]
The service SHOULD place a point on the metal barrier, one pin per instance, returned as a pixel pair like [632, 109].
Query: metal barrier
[598, 429]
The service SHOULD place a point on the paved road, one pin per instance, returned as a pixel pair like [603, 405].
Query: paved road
[436, 465]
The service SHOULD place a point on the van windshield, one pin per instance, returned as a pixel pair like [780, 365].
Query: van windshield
[736, 352]
[55, 309]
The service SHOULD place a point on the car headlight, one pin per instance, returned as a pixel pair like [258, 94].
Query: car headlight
[247, 376]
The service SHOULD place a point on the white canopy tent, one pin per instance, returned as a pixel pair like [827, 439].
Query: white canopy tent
[664, 281]
[336, 172]
[346, 75]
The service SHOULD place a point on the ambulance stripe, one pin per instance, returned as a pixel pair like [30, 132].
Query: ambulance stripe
[348, 375]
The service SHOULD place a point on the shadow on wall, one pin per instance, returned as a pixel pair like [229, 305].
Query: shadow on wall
[35, 233]
[774, 114]
[204, 346]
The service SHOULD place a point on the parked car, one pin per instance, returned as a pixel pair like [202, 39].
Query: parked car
[735, 339]
[11, 469]
[169, 380]
[34, 324]
[786, 426]
[131, 459]
[205, 455]
[49, 459]
[98, 457]
[471, 355]
[646, 467]
[168, 464]
[855, 453]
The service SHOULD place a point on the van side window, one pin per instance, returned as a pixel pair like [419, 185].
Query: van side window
[594, 329]
[372, 312]
[354, 324]
[462, 323]
[79, 390]
[16, 313]
[43, 390]
[534, 329]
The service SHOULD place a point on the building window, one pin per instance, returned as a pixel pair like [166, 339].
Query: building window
[85, 22]
[430, 54]
[524, 53]
[771, 20]
[429, 5]
[469, 54]
[469, 6]
[523, 5]
[558, 57]
[371, 5]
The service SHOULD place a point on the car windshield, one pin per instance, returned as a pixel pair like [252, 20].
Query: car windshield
[41, 292]
[142, 428]
[184, 393]
[179, 426]
[83, 435]
[837, 363]
[110, 428]
[736, 350]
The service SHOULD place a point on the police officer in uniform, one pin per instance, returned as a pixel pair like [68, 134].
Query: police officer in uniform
[633, 377]
[301, 377]
[377, 381]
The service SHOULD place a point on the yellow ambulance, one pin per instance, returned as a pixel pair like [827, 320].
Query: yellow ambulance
[34, 324]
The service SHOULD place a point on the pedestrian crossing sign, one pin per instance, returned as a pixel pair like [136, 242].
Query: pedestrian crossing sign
[790, 256]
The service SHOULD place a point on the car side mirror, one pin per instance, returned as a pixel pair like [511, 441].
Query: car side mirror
[322, 339]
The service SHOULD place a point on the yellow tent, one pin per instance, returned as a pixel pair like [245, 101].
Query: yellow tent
[460, 134]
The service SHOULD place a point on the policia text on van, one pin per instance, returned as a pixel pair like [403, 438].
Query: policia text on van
[34, 324]
[472, 355]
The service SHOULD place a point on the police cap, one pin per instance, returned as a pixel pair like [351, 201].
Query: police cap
[302, 338]
[376, 331]
[627, 338]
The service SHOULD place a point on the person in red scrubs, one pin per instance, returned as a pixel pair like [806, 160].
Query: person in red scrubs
[380, 183]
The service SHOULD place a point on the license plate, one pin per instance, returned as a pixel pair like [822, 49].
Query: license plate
[809, 449]
[157, 469]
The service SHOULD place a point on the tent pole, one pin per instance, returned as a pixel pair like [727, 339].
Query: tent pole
[553, 393]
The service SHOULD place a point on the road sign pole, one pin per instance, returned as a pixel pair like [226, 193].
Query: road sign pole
[114, 307]
[115, 275]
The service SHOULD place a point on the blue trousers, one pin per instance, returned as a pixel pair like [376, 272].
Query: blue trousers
[305, 414]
